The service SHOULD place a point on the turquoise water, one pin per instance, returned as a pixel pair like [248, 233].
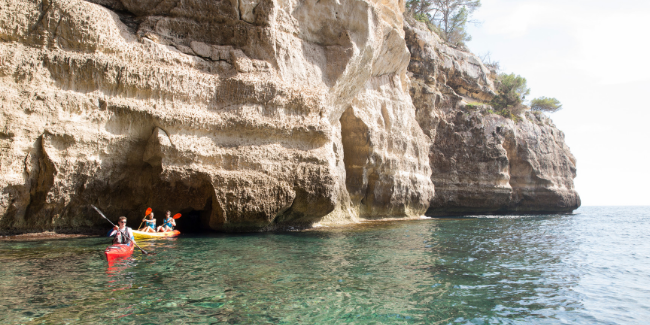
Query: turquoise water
[589, 268]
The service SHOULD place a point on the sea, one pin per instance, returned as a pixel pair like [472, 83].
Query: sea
[589, 267]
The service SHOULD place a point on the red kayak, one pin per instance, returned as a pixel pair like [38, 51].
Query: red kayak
[118, 251]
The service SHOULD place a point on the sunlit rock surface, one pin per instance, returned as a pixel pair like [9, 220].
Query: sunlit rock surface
[483, 163]
[251, 114]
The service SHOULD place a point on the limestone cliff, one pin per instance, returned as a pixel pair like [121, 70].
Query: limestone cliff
[483, 163]
[253, 114]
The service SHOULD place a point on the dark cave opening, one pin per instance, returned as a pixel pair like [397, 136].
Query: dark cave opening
[193, 222]
[144, 188]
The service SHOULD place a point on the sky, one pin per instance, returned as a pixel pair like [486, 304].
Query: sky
[593, 56]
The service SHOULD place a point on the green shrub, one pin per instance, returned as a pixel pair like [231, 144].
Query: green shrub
[503, 112]
[511, 93]
[546, 104]
[447, 18]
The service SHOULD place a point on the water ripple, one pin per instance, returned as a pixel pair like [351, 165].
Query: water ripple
[589, 268]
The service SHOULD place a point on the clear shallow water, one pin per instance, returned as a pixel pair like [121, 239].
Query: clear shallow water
[588, 268]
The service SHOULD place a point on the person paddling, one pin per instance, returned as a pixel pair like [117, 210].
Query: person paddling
[123, 234]
[169, 223]
[150, 223]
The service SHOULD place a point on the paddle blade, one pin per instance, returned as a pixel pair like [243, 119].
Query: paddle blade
[146, 213]
[176, 216]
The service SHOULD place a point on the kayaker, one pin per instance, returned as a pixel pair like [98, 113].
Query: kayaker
[150, 223]
[123, 229]
[169, 223]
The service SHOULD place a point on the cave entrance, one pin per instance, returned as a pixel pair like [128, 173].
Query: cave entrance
[192, 197]
[194, 221]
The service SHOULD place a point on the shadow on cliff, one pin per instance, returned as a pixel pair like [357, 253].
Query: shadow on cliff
[140, 187]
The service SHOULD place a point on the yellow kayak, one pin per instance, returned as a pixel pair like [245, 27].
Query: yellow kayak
[147, 235]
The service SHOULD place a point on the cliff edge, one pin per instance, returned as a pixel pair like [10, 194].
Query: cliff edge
[481, 162]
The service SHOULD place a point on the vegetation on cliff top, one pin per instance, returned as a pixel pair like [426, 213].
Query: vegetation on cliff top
[546, 104]
[449, 19]
[511, 95]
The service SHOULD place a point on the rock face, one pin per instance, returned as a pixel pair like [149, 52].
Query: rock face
[250, 114]
[254, 115]
[483, 163]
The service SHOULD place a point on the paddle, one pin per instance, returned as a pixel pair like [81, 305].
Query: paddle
[176, 216]
[123, 235]
[146, 213]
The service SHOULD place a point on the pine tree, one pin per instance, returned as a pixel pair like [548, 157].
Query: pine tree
[546, 104]
[448, 17]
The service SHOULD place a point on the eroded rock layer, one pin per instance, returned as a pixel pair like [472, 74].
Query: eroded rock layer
[483, 163]
[251, 114]
[255, 115]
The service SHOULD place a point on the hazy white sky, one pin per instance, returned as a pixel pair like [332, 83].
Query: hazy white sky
[594, 56]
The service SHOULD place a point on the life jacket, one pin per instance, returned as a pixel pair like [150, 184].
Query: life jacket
[119, 239]
[151, 223]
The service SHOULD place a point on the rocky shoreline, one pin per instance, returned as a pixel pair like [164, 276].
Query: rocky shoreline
[47, 235]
